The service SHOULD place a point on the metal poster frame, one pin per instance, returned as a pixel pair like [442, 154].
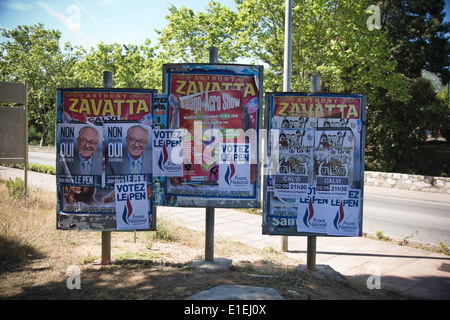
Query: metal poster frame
[111, 112]
[205, 82]
[14, 126]
[296, 169]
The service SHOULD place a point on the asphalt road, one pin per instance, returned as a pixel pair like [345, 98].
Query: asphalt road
[399, 218]
[426, 221]
[48, 159]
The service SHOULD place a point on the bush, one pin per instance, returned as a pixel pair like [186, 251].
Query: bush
[33, 167]
[16, 188]
[396, 129]
[34, 137]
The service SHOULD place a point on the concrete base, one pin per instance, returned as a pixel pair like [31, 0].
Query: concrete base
[237, 292]
[219, 264]
[324, 272]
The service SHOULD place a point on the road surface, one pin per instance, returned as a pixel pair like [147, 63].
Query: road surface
[399, 218]
[426, 221]
[48, 159]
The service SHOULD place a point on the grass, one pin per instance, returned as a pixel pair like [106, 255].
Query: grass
[440, 247]
[41, 168]
[35, 259]
[431, 158]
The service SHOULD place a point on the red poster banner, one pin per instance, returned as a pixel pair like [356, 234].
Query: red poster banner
[317, 107]
[213, 109]
[81, 105]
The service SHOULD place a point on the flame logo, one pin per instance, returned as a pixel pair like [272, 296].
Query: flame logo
[339, 216]
[127, 210]
[309, 213]
[230, 172]
[163, 157]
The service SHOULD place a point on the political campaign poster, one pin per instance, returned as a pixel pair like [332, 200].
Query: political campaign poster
[330, 216]
[160, 121]
[333, 162]
[160, 111]
[234, 167]
[293, 160]
[315, 169]
[168, 152]
[102, 139]
[128, 152]
[219, 107]
[80, 153]
[132, 205]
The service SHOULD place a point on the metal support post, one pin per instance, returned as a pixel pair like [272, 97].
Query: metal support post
[213, 55]
[106, 235]
[209, 221]
[312, 240]
[25, 132]
[315, 84]
[288, 48]
[311, 253]
[287, 78]
[209, 235]
[106, 247]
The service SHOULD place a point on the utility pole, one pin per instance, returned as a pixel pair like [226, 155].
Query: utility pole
[209, 219]
[106, 235]
[312, 240]
[287, 77]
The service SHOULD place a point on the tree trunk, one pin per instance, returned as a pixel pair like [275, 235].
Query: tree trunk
[44, 136]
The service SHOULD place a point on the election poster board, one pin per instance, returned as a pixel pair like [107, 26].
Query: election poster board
[314, 172]
[161, 122]
[104, 159]
[213, 121]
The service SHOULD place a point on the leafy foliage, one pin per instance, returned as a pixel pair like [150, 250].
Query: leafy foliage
[417, 35]
[330, 38]
[324, 43]
[32, 54]
[188, 36]
[16, 188]
[395, 129]
[131, 65]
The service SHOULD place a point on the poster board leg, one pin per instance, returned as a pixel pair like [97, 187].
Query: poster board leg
[25, 134]
[311, 253]
[106, 247]
[209, 235]
[283, 244]
[106, 235]
[312, 240]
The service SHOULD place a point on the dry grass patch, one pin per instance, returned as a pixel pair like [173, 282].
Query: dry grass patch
[35, 257]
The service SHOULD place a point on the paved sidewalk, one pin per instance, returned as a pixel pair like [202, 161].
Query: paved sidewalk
[35, 179]
[414, 271]
[417, 272]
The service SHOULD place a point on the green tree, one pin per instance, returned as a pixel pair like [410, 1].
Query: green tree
[132, 65]
[418, 36]
[188, 36]
[333, 39]
[32, 54]
[395, 129]
[329, 38]
[444, 97]
[434, 112]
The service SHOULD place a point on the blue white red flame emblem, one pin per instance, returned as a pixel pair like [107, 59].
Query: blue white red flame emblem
[231, 170]
[309, 213]
[339, 216]
[164, 156]
[127, 210]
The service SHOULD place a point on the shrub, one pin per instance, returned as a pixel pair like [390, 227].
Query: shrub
[16, 188]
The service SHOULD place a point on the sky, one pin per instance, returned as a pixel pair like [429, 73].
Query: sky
[87, 23]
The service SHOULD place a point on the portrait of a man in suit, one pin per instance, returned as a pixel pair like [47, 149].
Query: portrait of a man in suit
[87, 160]
[135, 159]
